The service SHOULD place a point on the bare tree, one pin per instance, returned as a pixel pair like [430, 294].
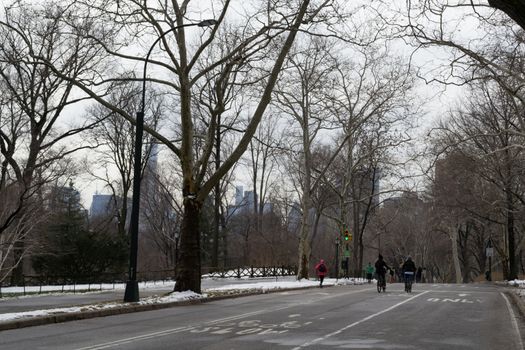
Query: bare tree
[371, 104]
[275, 24]
[488, 133]
[113, 140]
[162, 215]
[301, 93]
[33, 102]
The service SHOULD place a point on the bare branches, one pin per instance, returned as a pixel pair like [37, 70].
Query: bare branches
[514, 9]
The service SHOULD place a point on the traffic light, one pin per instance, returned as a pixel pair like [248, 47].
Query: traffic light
[347, 235]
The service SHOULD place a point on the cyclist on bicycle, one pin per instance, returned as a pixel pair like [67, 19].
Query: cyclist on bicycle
[409, 270]
[381, 268]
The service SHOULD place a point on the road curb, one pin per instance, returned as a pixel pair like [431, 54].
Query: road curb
[130, 308]
[517, 301]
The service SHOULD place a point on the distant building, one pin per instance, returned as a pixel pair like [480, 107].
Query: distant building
[153, 159]
[105, 206]
[238, 195]
[102, 205]
[294, 217]
[245, 202]
[406, 200]
[149, 180]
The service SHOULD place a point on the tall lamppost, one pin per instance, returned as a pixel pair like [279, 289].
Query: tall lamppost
[337, 258]
[489, 252]
[132, 288]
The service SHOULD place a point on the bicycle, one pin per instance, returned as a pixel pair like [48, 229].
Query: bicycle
[409, 279]
[381, 283]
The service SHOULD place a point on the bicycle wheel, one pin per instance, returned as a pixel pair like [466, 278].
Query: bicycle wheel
[379, 286]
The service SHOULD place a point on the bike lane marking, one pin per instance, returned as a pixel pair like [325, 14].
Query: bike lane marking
[166, 332]
[358, 322]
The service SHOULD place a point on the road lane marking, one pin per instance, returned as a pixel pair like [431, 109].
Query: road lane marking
[455, 291]
[513, 320]
[220, 320]
[445, 300]
[357, 322]
[132, 339]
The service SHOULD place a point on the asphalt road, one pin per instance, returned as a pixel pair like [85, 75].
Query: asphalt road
[51, 301]
[346, 317]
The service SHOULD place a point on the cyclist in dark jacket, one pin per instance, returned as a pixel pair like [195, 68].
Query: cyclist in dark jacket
[381, 267]
[410, 267]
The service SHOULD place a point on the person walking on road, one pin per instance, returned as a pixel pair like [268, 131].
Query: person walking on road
[321, 270]
[369, 272]
[392, 275]
[419, 272]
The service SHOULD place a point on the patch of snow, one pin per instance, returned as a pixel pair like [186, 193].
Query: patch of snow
[517, 283]
[172, 297]
[94, 287]
[265, 285]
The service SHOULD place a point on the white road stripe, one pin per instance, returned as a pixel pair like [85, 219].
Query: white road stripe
[220, 320]
[357, 322]
[513, 320]
[131, 339]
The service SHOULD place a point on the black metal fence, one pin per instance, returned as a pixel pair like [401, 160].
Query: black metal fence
[253, 272]
[88, 283]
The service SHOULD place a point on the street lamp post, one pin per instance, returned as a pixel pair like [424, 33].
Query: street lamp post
[132, 288]
[489, 252]
[337, 257]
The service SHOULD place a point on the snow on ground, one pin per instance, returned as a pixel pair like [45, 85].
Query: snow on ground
[176, 296]
[264, 286]
[150, 285]
[521, 287]
[172, 297]
[517, 283]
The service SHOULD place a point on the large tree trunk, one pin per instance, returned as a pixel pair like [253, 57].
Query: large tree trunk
[453, 234]
[513, 268]
[304, 242]
[355, 234]
[17, 274]
[195, 189]
[189, 260]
